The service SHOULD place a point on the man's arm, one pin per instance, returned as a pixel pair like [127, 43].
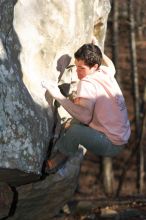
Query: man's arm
[106, 61]
[82, 109]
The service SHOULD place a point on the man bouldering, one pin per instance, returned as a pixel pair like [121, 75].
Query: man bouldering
[99, 107]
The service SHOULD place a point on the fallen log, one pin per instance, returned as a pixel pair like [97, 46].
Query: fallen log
[88, 204]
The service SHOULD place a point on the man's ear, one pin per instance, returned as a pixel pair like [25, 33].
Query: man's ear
[96, 66]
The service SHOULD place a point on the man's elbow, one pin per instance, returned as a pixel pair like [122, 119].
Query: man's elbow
[87, 120]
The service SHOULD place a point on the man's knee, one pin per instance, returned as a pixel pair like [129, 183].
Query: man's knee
[73, 129]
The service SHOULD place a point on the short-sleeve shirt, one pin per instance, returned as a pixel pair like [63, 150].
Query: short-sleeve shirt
[110, 112]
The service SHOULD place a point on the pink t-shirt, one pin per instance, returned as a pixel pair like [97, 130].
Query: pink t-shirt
[110, 112]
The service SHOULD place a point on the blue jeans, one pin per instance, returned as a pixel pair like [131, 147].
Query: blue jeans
[91, 139]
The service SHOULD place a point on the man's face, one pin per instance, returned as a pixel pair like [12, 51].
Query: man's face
[82, 69]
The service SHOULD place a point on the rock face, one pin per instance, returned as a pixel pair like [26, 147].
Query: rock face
[44, 199]
[37, 42]
[25, 131]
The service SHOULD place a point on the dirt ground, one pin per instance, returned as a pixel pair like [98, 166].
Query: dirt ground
[90, 201]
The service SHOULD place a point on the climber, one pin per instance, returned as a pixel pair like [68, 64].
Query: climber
[99, 107]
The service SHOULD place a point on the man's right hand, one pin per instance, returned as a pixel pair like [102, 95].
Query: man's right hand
[52, 88]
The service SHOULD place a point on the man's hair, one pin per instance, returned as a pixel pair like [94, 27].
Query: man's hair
[90, 54]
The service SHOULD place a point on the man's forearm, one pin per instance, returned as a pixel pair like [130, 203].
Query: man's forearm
[82, 110]
[79, 112]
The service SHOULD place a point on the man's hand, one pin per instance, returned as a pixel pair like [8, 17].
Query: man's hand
[52, 88]
[94, 40]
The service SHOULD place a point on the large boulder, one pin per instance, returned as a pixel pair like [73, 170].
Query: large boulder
[37, 41]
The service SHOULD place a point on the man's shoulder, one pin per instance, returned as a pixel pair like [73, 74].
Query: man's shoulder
[107, 70]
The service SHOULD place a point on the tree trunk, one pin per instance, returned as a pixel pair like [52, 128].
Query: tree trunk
[140, 164]
[107, 162]
[141, 146]
[115, 39]
[108, 175]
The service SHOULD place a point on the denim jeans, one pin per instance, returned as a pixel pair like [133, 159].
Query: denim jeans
[91, 139]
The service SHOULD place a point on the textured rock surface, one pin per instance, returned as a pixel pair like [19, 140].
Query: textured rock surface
[6, 198]
[24, 127]
[44, 199]
[37, 42]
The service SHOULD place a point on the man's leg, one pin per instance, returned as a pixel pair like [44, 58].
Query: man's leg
[68, 144]
[94, 141]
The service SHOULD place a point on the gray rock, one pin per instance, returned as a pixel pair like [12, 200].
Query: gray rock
[6, 198]
[44, 199]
